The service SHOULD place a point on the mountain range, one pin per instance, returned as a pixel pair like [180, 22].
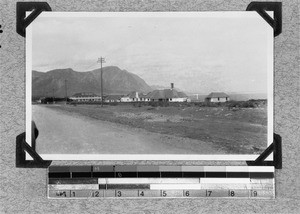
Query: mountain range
[60, 82]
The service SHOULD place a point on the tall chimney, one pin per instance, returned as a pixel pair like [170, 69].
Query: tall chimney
[172, 86]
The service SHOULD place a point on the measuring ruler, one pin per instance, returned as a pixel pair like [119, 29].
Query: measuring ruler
[161, 181]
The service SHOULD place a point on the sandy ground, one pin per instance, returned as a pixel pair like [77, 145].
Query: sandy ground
[65, 133]
[229, 131]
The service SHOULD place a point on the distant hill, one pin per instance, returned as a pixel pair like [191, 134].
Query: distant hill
[115, 81]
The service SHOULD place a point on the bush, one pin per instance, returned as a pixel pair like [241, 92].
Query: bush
[158, 103]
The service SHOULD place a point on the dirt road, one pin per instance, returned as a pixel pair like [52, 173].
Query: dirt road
[61, 133]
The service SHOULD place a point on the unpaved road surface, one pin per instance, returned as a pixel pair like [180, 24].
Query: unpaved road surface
[61, 133]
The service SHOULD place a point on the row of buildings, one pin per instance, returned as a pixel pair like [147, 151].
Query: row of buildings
[164, 95]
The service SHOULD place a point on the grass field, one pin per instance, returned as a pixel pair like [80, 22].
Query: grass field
[234, 130]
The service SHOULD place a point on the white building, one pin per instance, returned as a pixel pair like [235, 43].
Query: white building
[217, 97]
[135, 97]
[85, 97]
[168, 95]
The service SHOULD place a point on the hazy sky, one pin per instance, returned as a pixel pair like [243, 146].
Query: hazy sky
[201, 53]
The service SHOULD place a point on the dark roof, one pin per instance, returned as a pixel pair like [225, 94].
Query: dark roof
[114, 97]
[217, 94]
[166, 94]
[85, 94]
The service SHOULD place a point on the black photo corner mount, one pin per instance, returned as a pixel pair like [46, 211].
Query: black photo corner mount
[276, 148]
[276, 23]
[22, 147]
[23, 21]
[262, 7]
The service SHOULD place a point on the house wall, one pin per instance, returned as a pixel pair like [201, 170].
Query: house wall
[126, 99]
[218, 100]
[178, 99]
[85, 99]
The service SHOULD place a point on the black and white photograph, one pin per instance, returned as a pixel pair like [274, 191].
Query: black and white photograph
[150, 85]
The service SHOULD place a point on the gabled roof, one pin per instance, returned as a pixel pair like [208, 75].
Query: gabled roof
[113, 97]
[166, 94]
[217, 94]
[85, 94]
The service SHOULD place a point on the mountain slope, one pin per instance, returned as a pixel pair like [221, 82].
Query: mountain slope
[115, 81]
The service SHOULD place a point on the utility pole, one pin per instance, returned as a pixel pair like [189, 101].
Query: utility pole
[53, 96]
[66, 91]
[101, 60]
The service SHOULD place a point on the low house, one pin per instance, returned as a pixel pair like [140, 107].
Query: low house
[113, 98]
[135, 97]
[217, 97]
[167, 95]
[126, 99]
[144, 97]
[85, 97]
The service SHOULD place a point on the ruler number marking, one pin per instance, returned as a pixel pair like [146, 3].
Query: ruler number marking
[231, 193]
[208, 193]
[95, 194]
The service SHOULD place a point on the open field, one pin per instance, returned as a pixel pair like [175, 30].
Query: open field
[63, 132]
[228, 130]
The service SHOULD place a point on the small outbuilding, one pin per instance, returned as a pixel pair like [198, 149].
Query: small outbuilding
[217, 97]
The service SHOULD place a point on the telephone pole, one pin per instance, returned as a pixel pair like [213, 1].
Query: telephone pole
[52, 95]
[66, 91]
[101, 60]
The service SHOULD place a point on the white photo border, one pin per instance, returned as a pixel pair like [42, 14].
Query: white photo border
[212, 157]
